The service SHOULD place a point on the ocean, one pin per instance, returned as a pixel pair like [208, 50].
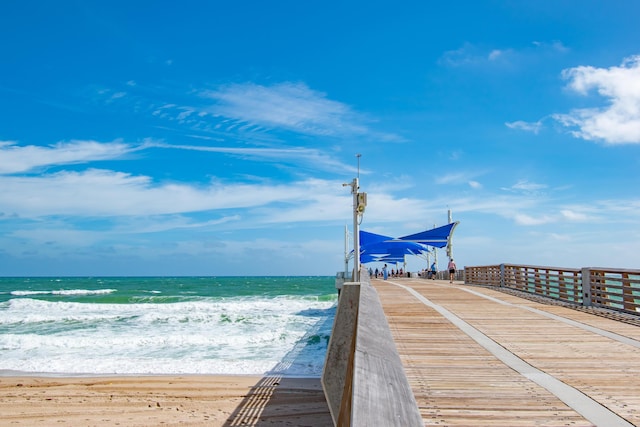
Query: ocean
[165, 325]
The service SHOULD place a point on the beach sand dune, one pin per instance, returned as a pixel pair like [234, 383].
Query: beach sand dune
[162, 401]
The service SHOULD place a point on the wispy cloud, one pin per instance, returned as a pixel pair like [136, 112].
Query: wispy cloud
[470, 55]
[451, 178]
[555, 46]
[619, 121]
[533, 127]
[290, 106]
[308, 157]
[524, 219]
[252, 110]
[525, 187]
[102, 193]
[573, 215]
[468, 178]
[15, 158]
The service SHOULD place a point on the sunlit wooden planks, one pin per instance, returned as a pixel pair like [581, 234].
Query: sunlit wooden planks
[457, 382]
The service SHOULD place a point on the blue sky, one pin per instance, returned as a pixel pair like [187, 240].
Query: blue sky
[213, 138]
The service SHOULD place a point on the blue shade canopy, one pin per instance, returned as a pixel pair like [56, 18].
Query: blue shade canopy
[437, 237]
[381, 248]
[367, 238]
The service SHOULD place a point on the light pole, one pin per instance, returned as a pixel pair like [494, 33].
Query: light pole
[359, 204]
[356, 231]
[357, 210]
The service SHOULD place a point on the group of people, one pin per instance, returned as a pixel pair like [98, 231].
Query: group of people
[430, 273]
[385, 273]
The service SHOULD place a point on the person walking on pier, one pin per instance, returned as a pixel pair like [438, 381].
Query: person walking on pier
[384, 272]
[452, 270]
[434, 271]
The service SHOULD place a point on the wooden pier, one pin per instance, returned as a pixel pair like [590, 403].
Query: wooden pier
[477, 356]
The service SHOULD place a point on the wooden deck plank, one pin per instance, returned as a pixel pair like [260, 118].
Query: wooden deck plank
[458, 382]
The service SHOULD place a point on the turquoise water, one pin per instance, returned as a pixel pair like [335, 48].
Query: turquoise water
[166, 325]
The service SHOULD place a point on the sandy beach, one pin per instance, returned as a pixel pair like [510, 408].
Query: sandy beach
[162, 401]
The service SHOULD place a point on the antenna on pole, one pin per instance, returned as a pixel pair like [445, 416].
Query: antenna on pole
[358, 156]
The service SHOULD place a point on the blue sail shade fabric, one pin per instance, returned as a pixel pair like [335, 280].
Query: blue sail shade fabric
[376, 247]
[381, 248]
[438, 237]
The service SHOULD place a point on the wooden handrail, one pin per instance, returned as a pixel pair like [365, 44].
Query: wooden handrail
[363, 378]
[618, 289]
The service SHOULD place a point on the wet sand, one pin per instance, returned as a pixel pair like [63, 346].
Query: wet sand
[162, 401]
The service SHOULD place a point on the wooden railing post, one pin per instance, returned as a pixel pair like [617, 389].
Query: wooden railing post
[337, 374]
[502, 275]
[628, 299]
[586, 286]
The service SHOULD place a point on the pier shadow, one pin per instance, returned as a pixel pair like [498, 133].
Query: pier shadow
[281, 398]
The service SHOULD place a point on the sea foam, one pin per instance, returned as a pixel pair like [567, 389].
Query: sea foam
[238, 335]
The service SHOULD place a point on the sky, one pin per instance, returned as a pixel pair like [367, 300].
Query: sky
[214, 137]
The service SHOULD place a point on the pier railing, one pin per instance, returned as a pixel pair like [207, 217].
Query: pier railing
[363, 378]
[616, 289]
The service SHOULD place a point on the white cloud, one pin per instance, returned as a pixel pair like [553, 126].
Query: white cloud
[467, 55]
[451, 178]
[525, 126]
[572, 215]
[554, 46]
[524, 219]
[102, 193]
[308, 157]
[291, 106]
[619, 121]
[524, 186]
[17, 159]
[495, 54]
[474, 55]
[239, 109]
[460, 178]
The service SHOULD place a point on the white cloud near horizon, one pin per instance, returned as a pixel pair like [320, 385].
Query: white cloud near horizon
[105, 193]
[619, 121]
